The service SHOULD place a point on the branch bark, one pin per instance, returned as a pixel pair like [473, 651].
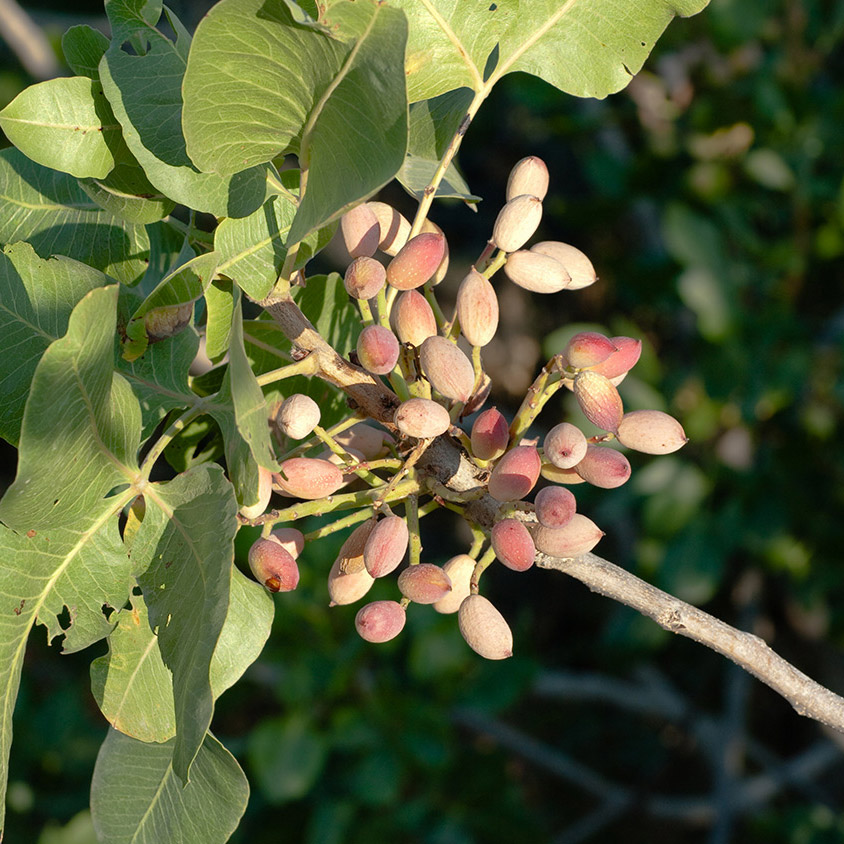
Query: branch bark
[751, 653]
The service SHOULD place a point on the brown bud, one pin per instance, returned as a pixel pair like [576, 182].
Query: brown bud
[378, 349]
[380, 621]
[578, 266]
[564, 445]
[515, 474]
[308, 477]
[516, 222]
[588, 348]
[386, 546]
[298, 416]
[447, 368]
[598, 399]
[459, 570]
[604, 467]
[484, 628]
[364, 278]
[513, 544]
[554, 506]
[490, 435]
[530, 175]
[422, 418]
[394, 228]
[576, 537]
[416, 261]
[413, 320]
[273, 566]
[536, 272]
[424, 583]
[265, 491]
[477, 309]
[360, 231]
[651, 431]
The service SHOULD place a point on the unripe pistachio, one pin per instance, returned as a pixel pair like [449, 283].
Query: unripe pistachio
[513, 544]
[587, 349]
[413, 320]
[560, 476]
[621, 361]
[380, 621]
[424, 583]
[442, 269]
[350, 556]
[477, 309]
[459, 570]
[291, 539]
[386, 546]
[490, 435]
[598, 399]
[394, 229]
[564, 445]
[347, 588]
[162, 323]
[378, 349]
[484, 628]
[364, 278]
[298, 416]
[360, 230]
[535, 272]
[530, 175]
[265, 491]
[447, 368]
[416, 261]
[604, 467]
[308, 477]
[273, 565]
[578, 266]
[554, 506]
[371, 442]
[422, 418]
[517, 222]
[576, 537]
[515, 474]
[651, 431]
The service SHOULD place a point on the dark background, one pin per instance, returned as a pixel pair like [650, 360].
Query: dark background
[709, 196]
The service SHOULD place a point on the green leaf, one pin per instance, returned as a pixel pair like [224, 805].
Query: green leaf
[65, 124]
[41, 573]
[145, 92]
[416, 174]
[258, 83]
[83, 47]
[586, 49]
[127, 193]
[53, 213]
[136, 797]
[219, 306]
[81, 426]
[185, 547]
[36, 298]
[133, 687]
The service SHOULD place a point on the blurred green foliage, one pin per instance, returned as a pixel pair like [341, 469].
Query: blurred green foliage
[710, 196]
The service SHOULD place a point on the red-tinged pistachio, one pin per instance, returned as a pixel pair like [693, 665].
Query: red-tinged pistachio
[554, 506]
[604, 467]
[535, 272]
[477, 309]
[564, 445]
[517, 222]
[588, 348]
[361, 232]
[386, 546]
[364, 278]
[265, 490]
[348, 475]
[424, 583]
[576, 537]
[484, 628]
[378, 349]
[530, 175]
[422, 418]
[273, 565]
[298, 416]
[560, 476]
[459, 570]
[515, 474]
[598, 399]
[621, 361]
[372, 442]
[380, 621]
[308, 477]
[651, 431]
[350, 556]
[490, 435]
[413, 320]
[416, 261]
[162, 323]
[291, 539]
[513, 544]
[447, 368]
[442, 269]
[579, 267]
[394, 228]
[347, 588]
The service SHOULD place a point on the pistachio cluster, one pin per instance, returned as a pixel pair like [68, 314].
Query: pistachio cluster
[434, 366]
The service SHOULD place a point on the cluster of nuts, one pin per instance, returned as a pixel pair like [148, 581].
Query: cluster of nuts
[407, 339]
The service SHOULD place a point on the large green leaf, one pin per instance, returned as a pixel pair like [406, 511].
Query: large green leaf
[259, 83]
[132, 685]
[589, 49]
[81, 427]
[145, 92]
[185, 548]
[53, 213]
[83, 47]
[36, 298]
[136, 797]
[65, 124]
[127, 193]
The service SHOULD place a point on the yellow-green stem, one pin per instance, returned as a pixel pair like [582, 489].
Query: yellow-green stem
[306, 366]
[480, 567]
[411, 512]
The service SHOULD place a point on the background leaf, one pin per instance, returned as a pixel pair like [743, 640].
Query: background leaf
[83, 47]
[127, 193]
